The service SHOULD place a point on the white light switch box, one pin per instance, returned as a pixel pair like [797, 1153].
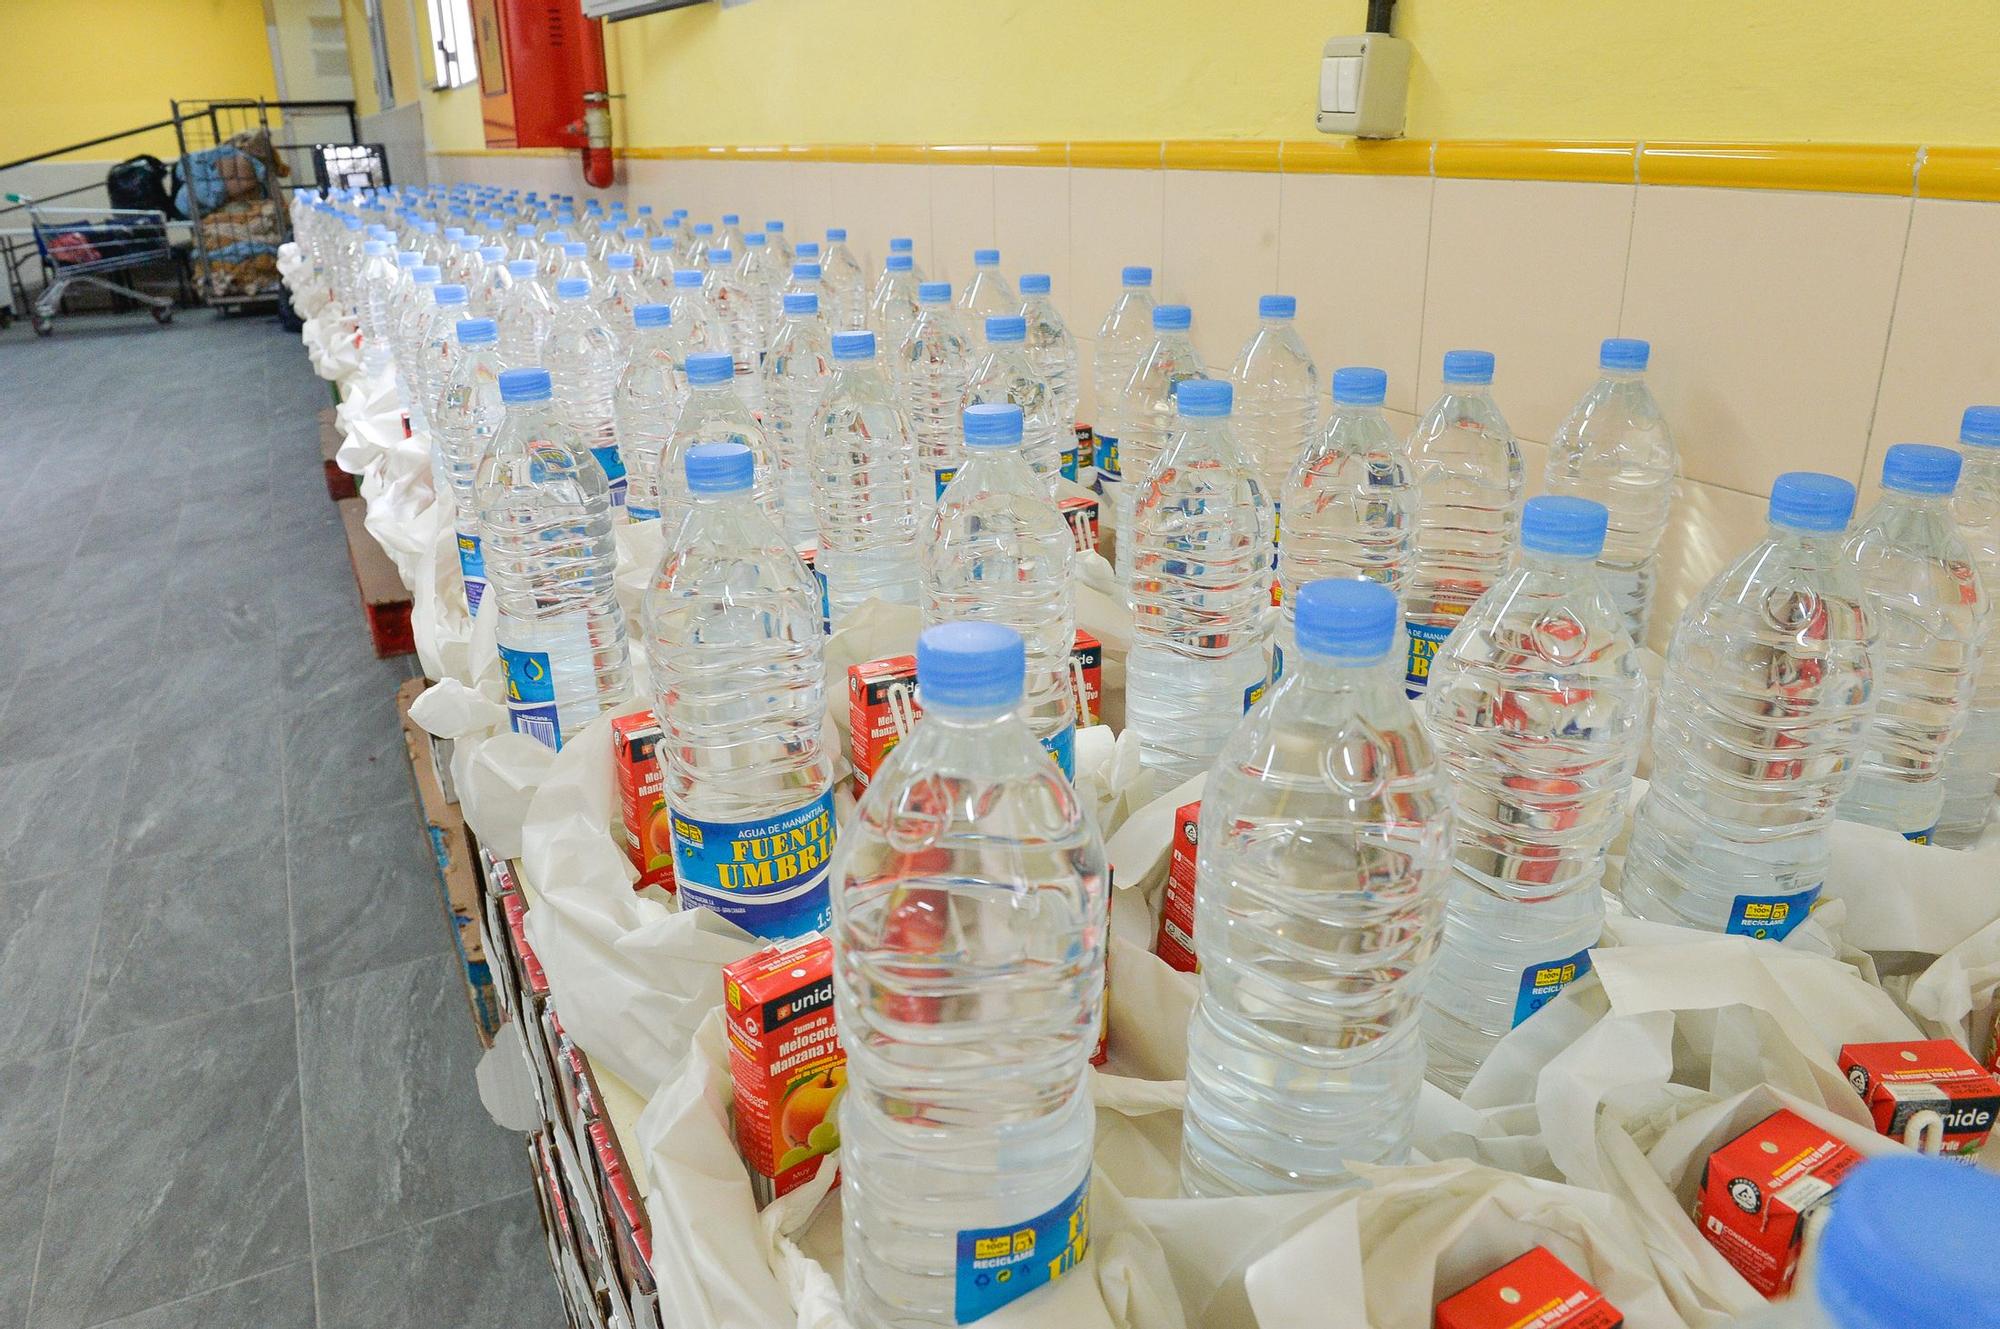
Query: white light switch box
[1364, 85]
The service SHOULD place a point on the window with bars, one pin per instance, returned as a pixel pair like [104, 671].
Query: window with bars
[452, 60]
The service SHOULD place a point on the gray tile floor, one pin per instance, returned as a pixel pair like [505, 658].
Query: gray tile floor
[235, 1061]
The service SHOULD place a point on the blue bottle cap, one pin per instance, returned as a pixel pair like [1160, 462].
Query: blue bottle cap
[450, 232]
[408, 258]
[1809, 501]
[1359, 385]
[730, 218]
[1558, 524]
[979, 666]
[1980, 427]
[854, 345]
[1624, 355]
[806, 251]
[570, 288]
[994, 424]
[492, 253]
[775, 227]
[661, 244]
[450, 293]
[933, 292]
[424, 272]
[836, 235]
[705, 369]
[652, 316]
[519, 385]
[1475, 367]
[620, 262]
[1909, 1242]
[1346, 619]
[374, 248]
[898, 263]
[721, 256]
[521, 269]
[985, 258]
[704, 228]
[477, 331]
[755, 238]
[805, 271]
[719, 468]
[1277, 306]
[1034, 283]
[1204, 398]
[1919, 468]
[1003, 328]
[686, 278]
[1135, 277]
[645, 209]
[575, 249]
[1172, 318]
[899, 244]
[801, 302]
[524, 228]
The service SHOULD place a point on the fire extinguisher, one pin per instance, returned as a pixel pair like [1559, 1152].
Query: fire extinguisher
[595, 127]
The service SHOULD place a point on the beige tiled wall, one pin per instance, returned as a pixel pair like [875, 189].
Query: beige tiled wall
[1790, 329]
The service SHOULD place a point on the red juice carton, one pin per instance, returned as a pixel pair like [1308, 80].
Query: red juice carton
[881, 709]
[785, 1060]
[1899, 1080]
[1536, 1291]
[1175, 943]
[649, 834]
[1081, 513]
[1757, 1190]
[1087, 670]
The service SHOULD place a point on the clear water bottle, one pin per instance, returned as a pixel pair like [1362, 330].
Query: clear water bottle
[583, 357]
[379, 280]
[969, 903]
[437, 345]
[545, 534]
[1972, 766]
[1201, 537]
[1928, 613]
[694, 323]
[1146, 415]
[763, 276]
[695, 254]
[1052, 351]
[1469, 483]
[735, 647]
[523, 243]
[774, 236]
[1277, 393]
[865, 484]
[576, 264]
[732, 310]
[1767, 692]
[646, 404]
[1351, 498]
[845, 280]
[892, 309]
[659, 267]
[549, 259]
[1615, 447]
[730, 234]
[805, 280]
[796, 373]
[902, 244]
[715, 413]
[464, 419]
[523, 316]
[408, 339]
[489, 292]
[1324, 861]
[987, 293]
[619, 294]
[1122, 342]
[1000, 551]
[1006, 373]
[933, 374]
[1537, 705]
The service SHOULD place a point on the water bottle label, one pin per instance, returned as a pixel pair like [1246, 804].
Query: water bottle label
[472, 566]
[1277, 663]
[944, 476]
[1069, 463]
[1541, 982]
[633, 512]
[1062, 747]
[531, 695]
[614, 471]
[1254, 694]
[768, 876]
[1107, 458]
[1769, 917]
[996, 1265]
[1424, 642]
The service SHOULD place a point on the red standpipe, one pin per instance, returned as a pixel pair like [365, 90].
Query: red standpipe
[598, 168]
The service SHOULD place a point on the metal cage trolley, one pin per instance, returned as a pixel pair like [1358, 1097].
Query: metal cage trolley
[79, 246]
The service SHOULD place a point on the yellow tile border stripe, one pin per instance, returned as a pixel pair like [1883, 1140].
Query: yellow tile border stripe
[1944, 172]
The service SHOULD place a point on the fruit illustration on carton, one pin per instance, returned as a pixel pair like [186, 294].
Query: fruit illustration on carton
[806, 1125]
[785, 1061]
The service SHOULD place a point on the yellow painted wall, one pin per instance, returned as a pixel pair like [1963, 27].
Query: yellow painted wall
[941, 71]
[406, 32]
[70, 71]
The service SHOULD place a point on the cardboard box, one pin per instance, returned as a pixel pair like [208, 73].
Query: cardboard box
[384, 598]
[1899, 1080]
[1082, 515]
[1175, 943]
[1536, 1291]
[631, 1237]
[1757, 1190]
[648, 834]
[785, 1060]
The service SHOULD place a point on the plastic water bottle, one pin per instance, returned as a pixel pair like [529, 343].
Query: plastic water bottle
[523, 316]
[523, 244]
[437, 344]
[408, 341]
[969, 905]
[1469, 507]
[735, 647]
[1351, 498]
[864, 484]
[658, 268]
[1146, 415]
[379, 279]
[762, 274]
[619, 294]
[933, 374]
[549, 259]
[694, 323]
[695, 254]
[730, 234]
[1277, 393]
[1972, 766]
[845, 281]
[1201, 540]
[1928, 613]
[1006, 373]
[1615, 448]
[714, 412]
[464, 419]
[774, 236]
[987, 293]
[805, 280]
[1537, 705]
[796, 372]
[583, 357]
[892, 309]
[902, 244]
[489, 292]
[576, 264]
[1324, 861]
[545, 533]
[646, 404]
[732, 308]
[1767, 692]
[1052, 351]
[1122, 342]
[1000, 551]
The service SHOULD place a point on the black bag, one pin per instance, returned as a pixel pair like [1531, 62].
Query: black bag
[140, 182]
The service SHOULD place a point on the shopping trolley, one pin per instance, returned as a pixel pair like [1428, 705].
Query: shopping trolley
[78, 246]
